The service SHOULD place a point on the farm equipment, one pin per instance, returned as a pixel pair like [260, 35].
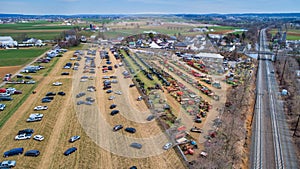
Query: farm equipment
[216, 85]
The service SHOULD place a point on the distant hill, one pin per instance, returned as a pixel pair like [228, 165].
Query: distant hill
[283, 15]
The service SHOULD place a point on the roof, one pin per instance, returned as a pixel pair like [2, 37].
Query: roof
[181, 44]
[154, 45]
[6, 38]
[209, 55]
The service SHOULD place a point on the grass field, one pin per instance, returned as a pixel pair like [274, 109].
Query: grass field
[18, 100]
[20, 56]
[37, 35]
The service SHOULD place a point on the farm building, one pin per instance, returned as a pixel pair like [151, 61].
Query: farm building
[7, 41]
[210, 57]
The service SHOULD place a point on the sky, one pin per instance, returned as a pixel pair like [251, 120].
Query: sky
[71, 7]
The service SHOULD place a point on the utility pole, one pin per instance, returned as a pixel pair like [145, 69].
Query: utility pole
[283, 70]
[296, 126]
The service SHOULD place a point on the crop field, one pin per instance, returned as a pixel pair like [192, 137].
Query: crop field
[40, 30]
[20, 56]
[292, 34]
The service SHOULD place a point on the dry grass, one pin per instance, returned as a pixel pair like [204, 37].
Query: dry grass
[60, 122]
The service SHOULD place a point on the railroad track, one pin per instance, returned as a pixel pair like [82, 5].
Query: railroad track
[271, 142]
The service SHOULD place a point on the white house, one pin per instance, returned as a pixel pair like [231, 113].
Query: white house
[7, 41]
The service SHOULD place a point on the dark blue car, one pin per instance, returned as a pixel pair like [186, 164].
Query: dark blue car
[130, 130]
[70, 151]
[114, 112]
[14, 151]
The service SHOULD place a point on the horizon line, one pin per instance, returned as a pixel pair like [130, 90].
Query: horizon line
[155, 13]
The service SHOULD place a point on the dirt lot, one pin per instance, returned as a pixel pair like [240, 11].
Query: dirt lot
[98, 147]
[8, 69]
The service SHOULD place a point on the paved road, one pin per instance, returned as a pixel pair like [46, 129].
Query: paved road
[272, 146]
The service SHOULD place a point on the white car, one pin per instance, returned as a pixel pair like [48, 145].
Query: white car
[2, 107]
[23, 136]
[111, 98]
[167, 146]
[57, 83]
[118, 92]
[139, 98]
[36, 115]
[74, 138]
[38, 137]
[41, 108]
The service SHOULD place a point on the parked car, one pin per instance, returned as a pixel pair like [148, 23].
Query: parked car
[32, 153]
[57, 83]
[49, 97]
[106, 87]
[114, 112]
[117, 127]
[80, 94]
[167, 146]
[23, 136]
[130, 130]
[136, 145]
[26, 131]
[18, 92]
[2, 106]
[35, 117]
[46, 100]
[38, 137]
[150, 117]
[139, 98]
[133, 167]
[111, 98]
[203, 114]
[50, 94]
[30, 82]
[80, 102]
[37, 108]
[27, 77]
[90, 99]
[65, 73]
[198, 120]
[8, 164]
[196, 129]
[6, 98]
[118, 92]
[61, 93]
[14, 151]
[7, 77]
[4, 94]
[74, 138]
[70, 151]
[112, 106]
[131, 85]
[109, 91]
